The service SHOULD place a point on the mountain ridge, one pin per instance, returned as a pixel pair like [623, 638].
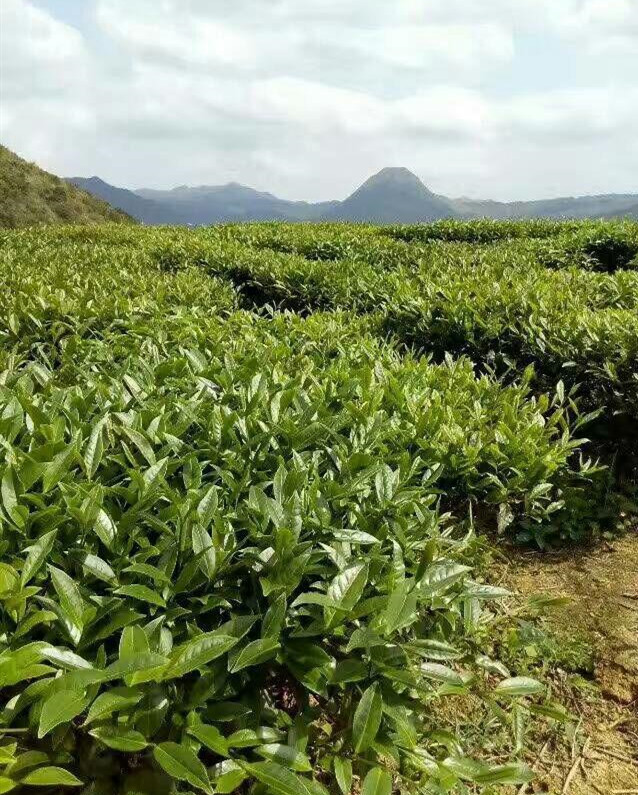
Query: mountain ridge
[392, 195]
[630, 212]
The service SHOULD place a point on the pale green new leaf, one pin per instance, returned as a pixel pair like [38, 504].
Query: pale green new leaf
[207, 507]
[203, 547]
[94, 449]
[38, 554]
[69, 597]
[345, 590]
[55, 470]
[105, 529]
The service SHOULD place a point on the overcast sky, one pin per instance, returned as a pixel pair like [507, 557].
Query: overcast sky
[504, 99]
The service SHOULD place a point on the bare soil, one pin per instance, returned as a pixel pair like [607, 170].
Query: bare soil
[602, 584]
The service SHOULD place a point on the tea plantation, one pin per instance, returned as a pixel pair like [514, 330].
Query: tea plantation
[247, 478]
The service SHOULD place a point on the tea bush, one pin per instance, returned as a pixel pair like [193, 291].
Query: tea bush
[499, 304]
[237, 545]
[228, 568]
[605, 250]
[481, 231]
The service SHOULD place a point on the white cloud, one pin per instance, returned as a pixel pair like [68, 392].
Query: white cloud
[602, 27]
[38, 55]
[308, 98]
[573, 115]
[46, 82]
[162, 30]
[270, 37]
[461, 47]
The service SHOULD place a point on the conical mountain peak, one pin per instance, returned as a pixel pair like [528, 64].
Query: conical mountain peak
[393, 195]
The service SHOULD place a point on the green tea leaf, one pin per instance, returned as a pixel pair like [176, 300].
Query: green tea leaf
[254, 653]
[401, 609]
[209, 736]
[61, 707]
[377, 782]
[105, 529]
[343, 774]
[70, 599]
[285, 755]
[38, 554]
[367, 718]
[441, 673]
[99, 568]
[9, 497]
[137, 664]
[439, 577]
[349, 670]
[204, 548]
[274, 618]
[118, 699]
[50, 777]
[198, 653]
[278, 779]
[207, 507]
[120, 738]
[94, 449]
[181, 763]
[141, 592]
[345, 591]
[55, 470]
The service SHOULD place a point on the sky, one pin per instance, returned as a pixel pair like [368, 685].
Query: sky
[501, 99]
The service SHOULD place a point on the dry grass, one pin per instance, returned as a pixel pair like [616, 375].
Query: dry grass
[602, 584]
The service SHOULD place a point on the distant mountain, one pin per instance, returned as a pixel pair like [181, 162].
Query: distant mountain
[208, 204]
[29, 195]
[630, 212]
[394, 195]
[610, 205]
[145, 210]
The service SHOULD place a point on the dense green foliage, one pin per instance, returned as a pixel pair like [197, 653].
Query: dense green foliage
[237, 544]
[29, 195]
[515, 303]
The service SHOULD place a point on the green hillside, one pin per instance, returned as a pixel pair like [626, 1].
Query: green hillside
[29, 195]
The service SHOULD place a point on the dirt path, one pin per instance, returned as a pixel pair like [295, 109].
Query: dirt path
[602, 584]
